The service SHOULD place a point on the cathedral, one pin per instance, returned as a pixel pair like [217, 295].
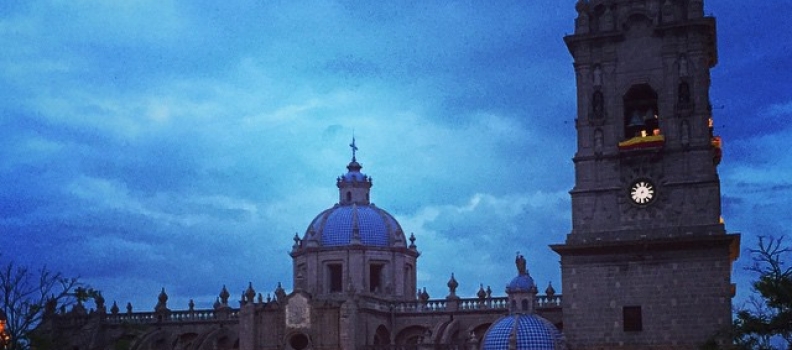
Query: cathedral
[647, 264]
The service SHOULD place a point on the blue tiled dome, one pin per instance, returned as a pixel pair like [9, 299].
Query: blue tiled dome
[531, 332]
[521, 283]
[335, 226]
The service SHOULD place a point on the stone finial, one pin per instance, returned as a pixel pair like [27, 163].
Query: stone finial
[280, 294]
[296, 241]
[250, 293]
[129, 308]
[412, 241]
[162, 301]
[481, 293]
[114, 309]
[582, 21]
[163, 297]
[452, 286]
[550, 291]
[224, 295]
[217, 303]
[191, 305]
[260, 298]
[489, 292]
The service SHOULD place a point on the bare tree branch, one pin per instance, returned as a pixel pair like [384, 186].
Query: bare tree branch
[25, 294]
[769, 313]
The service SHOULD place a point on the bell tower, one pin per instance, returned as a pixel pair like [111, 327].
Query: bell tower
[648, 261]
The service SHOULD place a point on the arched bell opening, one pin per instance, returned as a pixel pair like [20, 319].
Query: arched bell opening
[641, 115]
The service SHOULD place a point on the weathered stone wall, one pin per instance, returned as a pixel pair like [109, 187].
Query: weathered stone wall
[684, 295]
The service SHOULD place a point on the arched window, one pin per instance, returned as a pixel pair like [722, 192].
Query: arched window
[525, 305]
[381, 336]
[376, 277]
[683, 93]
[335, 278]
[641, 117]
[349, 196]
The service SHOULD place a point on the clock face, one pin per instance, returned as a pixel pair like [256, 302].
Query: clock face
[642, 192]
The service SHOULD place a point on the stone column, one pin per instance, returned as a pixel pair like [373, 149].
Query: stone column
[247, 326]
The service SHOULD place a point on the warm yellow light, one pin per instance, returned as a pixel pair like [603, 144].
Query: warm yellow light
[716, 141]
[4, 337]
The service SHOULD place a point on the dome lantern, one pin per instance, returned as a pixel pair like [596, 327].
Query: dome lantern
[354, 246]
[354, 221]
[354, 187]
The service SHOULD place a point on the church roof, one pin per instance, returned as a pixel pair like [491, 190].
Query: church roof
[354, 220]
[343, 224]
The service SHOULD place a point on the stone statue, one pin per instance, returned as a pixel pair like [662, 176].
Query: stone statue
[520, 262]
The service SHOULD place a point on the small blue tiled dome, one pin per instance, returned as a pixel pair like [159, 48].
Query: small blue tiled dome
[529, 332]
[521, 283]
[336, 226]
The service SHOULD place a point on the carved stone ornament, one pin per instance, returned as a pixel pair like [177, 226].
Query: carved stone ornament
[298, 312]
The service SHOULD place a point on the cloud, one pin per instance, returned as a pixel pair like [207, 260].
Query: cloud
[483, 234]
[780, 109]
[175, 144]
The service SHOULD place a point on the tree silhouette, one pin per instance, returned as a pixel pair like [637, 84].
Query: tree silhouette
[768, 314]
[27, 296]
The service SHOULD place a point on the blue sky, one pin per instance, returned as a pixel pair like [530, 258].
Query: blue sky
[181, 144]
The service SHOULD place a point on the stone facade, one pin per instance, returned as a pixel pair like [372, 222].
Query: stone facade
[648, 262]
[354, 288]
[290, 321]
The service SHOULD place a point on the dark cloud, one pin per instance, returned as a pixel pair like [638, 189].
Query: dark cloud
[181, 145]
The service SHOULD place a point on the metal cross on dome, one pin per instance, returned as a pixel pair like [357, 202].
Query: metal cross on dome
[354, 149]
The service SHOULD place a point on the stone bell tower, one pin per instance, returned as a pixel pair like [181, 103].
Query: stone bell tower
[648, 261]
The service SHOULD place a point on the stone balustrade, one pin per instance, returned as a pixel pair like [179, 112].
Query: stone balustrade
[461, 304]
[212, 315]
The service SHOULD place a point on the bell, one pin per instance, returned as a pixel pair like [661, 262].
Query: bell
[636, 120]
